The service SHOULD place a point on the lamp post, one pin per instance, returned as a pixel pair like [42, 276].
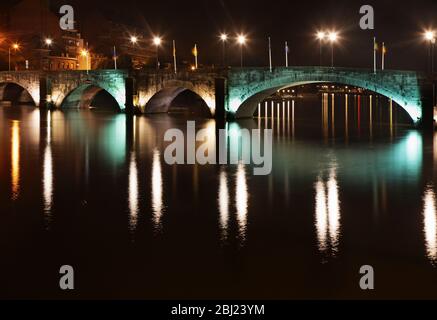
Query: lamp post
[321, 36]
[224, 39]
[157, 42]
[14, 46]
[241, 40]
[333, 36]
[86, 54]
[430, 36]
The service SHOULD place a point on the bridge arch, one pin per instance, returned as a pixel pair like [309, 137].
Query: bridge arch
[17, 94]
[83, 97]
[248, 88]
[163, 100]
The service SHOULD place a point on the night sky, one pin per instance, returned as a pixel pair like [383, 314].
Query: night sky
[398, 23]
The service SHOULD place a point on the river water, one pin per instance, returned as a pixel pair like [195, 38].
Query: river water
[350, 186]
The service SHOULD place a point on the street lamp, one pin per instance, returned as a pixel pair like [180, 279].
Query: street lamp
[157, 42]
[85, 53]
[224, 38]
[134, 39]
[241, 40]
[321, 36]
[333, 37]
[15, 46]
[48, 42]
[430, 36]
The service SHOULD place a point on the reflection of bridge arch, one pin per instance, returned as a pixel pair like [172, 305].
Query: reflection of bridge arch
[16, 93]
[249, 87]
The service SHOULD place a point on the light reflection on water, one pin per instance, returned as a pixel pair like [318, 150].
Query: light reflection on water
[133, 192]
[47, 179]
[327, 213]
[430, 223]
[15, 159]
[241, 201]
[157, 190]
[330, 181]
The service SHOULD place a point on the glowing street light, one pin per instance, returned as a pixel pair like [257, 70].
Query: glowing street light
[224, 38]
[241, 40]
[48, 42]
[134, 39]
[157, 41]
[321, 36]
[430, 36]
[332, 37]
[15, 46]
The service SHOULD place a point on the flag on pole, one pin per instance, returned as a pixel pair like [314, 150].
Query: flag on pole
[384, 52]
[195, 54]
[384, 49]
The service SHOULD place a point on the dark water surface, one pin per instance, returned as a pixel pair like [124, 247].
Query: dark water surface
[92, 190]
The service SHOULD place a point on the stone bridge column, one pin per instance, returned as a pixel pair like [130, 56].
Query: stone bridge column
[130, 90]
[428, 103]
[220, 98]
[45, 92]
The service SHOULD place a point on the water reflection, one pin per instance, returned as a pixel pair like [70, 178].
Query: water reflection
[327, 215]
[15, 159]
[223, 203]
[157, 201]
[133, 193]
[47, 180]
[430, 223]
[241, 201]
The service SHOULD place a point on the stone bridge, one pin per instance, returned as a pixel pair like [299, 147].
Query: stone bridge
[232, 93]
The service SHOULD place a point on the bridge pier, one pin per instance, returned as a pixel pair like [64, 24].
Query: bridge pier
[428, 103]
[129, 86]
[220, 99]
[45, 93]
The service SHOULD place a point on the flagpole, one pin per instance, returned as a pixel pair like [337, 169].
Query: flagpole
[115, 58]
[286, 54]
[174, 58]
[383, 56]
[270, 54]
[374, 55]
